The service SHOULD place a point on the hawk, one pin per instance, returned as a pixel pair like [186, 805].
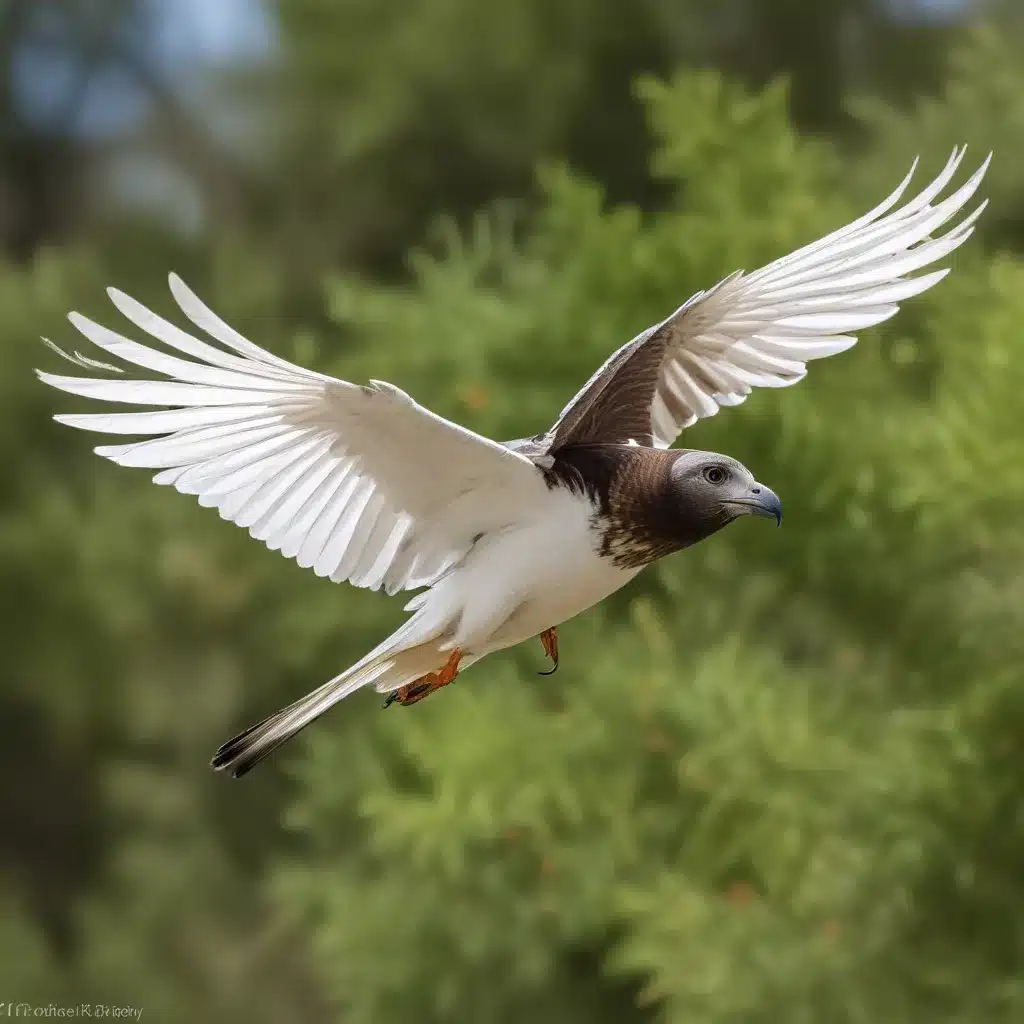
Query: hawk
[504, 542]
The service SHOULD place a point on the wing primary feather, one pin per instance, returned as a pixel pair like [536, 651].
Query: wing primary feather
[161, 421]
[341, 534]
[277, 487]
[180, 369]
[292, 533]
[206, 320]
[201, 475]
[172, 335]
[310, 541]
[272, 526]
[82, 362]
[341, 566]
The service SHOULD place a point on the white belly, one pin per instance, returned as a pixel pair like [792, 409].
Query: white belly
[539, 574]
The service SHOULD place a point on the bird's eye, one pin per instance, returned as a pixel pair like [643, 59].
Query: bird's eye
[714, 475]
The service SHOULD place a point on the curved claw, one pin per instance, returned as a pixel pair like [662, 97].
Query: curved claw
[549, 638]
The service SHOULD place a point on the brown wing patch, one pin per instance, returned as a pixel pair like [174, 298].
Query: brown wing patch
[616, 407]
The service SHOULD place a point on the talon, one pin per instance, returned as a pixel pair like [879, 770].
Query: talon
[415, 691]
[549, 638]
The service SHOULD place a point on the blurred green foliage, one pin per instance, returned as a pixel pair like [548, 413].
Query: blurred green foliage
[776, 780]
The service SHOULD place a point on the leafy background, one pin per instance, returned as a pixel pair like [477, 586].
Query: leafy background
[778, 779]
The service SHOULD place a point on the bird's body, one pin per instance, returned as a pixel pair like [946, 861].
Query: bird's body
[537, 573]
[605, 514]
[503, 541]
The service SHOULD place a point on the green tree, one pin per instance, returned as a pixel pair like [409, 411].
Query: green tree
[428, 106]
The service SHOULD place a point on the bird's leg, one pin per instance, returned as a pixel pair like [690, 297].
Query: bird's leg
[549, 638]
[428, 684]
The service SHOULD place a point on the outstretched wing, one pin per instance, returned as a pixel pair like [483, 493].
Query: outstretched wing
[761, 329]
[359, 483]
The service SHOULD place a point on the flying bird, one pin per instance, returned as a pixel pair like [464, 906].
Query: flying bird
[503, 541]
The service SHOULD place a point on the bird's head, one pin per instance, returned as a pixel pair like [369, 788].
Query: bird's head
[712, 490]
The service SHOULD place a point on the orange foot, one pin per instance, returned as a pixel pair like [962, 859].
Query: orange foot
[549, 638]
[426, 685]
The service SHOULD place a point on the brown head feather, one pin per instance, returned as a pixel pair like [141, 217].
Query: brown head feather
[650, 502]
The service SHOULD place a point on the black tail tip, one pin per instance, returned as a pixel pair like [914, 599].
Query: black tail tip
[224, 757]
[242, 752]
[219, 764]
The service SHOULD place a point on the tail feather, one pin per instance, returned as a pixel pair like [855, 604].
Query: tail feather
[244, 751]
[388, 667]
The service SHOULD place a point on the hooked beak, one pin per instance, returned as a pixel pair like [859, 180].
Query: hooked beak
[760, 501]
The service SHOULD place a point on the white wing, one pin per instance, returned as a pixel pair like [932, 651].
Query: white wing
[360, 483]
[761, 329]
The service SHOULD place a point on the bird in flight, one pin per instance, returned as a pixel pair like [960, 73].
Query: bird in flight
[504, 541]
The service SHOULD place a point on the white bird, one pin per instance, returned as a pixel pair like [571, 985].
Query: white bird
[509, 540]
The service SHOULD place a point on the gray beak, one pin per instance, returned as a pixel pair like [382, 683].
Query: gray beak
[761, 501]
